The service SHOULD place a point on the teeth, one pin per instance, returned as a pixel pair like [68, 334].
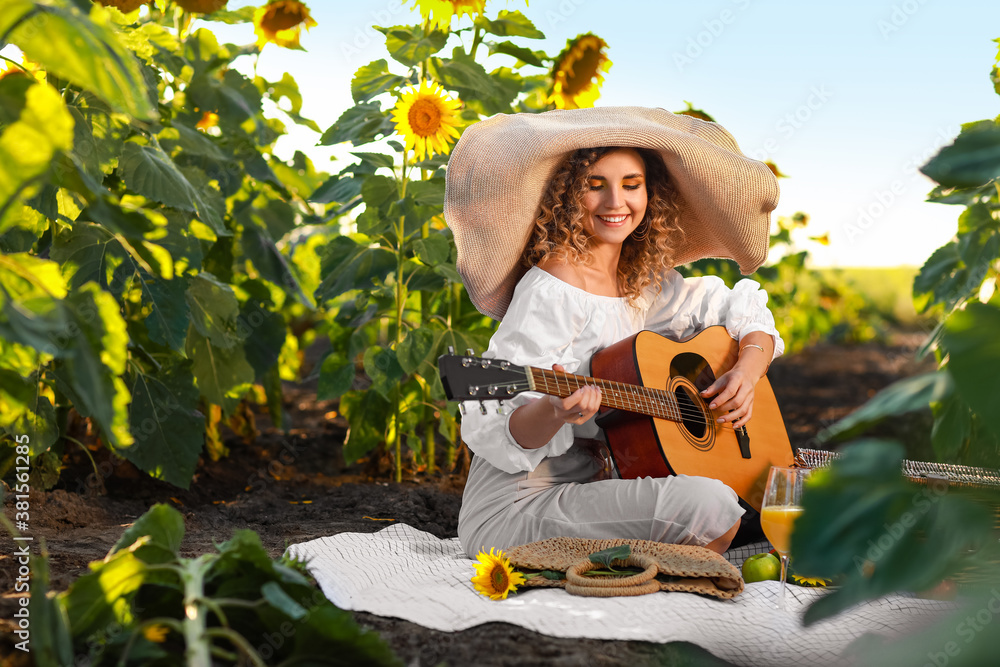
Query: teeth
[613, 218]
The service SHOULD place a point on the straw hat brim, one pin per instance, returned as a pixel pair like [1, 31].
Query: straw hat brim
[501, 166]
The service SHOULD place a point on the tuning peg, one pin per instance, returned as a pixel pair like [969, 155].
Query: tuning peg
[451, 349]
[482, 407]
[500, 408]
[461, 408]
[469, 351]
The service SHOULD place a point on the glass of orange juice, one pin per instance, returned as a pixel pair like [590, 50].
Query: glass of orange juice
[781, 507]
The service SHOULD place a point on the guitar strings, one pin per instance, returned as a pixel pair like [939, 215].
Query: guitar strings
[636, 396]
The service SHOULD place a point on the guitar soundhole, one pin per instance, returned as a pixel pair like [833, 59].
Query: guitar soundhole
[689, 374]
[693, 418]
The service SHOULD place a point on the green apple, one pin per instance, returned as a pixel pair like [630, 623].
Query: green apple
[761, 567]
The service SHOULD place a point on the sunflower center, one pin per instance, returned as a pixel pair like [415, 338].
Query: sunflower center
[584, 71]
[284, 17]
[499, 577]
[424, 117]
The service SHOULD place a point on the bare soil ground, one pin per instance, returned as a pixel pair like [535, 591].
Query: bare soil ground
[293, 486]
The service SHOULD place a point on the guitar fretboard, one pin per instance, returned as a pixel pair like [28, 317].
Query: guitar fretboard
[633, 398]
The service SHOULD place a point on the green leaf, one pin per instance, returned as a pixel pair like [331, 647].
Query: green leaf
[231, 17]
[952, 427]
[974, 358]
[168, 318]
[89, 54]
[99, 599]
[348, 265]
[150, 172]
[427, 193]
[12, 12]
[263, 332]
[379, 191]
[904, 396]
[51, 642]
[972, 160]
[606, 556]
[282, 601]
[940, 279]
[435, 249]
[233, 97]
[342, 190]
[368, 414]
[169, 431]
[335, 378]
[466, 77]
[410, 45]
[98, 341]
[866, 525]
[260, 248]
[536, 58]
[415, 349]
[28, 146]
[372, 80]
[376, 159]
[509, 24]
[214, 309]
[382, 366]
[89, 253]
[163, 525]
[222, 375]
[33, 313]
[360, 124]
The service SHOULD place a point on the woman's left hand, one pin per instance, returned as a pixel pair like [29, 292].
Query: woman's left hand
[732, 396]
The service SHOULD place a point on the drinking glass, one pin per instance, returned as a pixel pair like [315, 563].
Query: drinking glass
[781, 507]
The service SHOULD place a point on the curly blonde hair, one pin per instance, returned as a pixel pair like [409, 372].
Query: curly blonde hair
[559, 234]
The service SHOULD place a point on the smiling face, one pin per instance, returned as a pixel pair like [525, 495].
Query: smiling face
[616, 199]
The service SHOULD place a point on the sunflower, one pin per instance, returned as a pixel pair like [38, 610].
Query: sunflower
[579, 72]
[427, 119]
[281, 22]
[774, 169]
[495, 577]
[695, 113]
[439, 12]
[810, 581]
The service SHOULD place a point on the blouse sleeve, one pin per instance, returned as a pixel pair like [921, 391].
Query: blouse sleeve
[535, 331]
[685, 306]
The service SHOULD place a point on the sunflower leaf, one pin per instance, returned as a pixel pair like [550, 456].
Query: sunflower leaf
[510, 24]
[372, 80]
[605, 556]
[410, 45]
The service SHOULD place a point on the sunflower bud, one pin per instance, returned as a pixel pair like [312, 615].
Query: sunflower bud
[579, 72]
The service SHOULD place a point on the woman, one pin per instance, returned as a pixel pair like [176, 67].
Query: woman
[596, 232]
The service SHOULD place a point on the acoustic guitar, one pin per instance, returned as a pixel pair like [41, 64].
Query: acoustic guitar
[655, 421]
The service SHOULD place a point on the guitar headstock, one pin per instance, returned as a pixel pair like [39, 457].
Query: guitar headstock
[471, 378]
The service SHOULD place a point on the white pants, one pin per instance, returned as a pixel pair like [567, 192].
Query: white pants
[555, 500]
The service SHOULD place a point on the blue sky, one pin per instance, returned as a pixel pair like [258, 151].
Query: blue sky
[848, 98]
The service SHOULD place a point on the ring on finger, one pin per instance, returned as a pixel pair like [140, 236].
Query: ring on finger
[579, 414]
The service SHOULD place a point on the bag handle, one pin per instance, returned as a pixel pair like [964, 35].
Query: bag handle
[636, 584]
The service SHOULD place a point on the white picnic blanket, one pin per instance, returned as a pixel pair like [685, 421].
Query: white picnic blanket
[406, 573]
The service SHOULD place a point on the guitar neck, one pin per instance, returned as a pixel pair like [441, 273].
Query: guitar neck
[632, 398]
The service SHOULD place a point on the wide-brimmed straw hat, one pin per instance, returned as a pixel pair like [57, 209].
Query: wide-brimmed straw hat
[501, 166]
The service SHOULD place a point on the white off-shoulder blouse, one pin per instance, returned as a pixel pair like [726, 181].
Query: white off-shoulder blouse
[552, 322]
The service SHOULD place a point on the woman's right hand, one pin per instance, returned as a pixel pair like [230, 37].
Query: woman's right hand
[578, 407]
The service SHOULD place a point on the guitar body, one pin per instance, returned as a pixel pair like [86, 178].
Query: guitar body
[644, 446]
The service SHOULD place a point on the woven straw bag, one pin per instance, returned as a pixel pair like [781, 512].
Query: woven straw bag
[691, 569]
